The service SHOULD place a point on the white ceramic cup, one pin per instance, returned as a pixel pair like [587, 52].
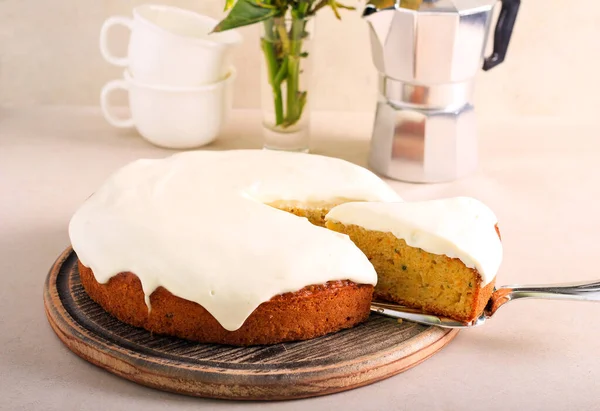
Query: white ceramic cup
[172, 46]
[173, 117]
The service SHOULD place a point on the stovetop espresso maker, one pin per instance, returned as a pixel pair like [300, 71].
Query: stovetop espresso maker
[427, 53]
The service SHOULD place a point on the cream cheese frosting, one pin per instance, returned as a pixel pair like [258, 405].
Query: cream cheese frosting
[458, 227]
[197, 224]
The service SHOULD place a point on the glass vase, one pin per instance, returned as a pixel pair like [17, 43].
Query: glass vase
[286, 76]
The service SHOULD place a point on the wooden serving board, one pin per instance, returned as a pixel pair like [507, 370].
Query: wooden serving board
[377, 349]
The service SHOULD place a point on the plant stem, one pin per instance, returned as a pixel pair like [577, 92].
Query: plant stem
[283, 37]
[294, 107]
[268, 46]
[283, 55]
[319, 6]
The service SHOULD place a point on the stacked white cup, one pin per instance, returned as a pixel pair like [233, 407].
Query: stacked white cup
[178, 75]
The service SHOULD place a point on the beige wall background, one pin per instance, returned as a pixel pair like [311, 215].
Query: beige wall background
[49, 55]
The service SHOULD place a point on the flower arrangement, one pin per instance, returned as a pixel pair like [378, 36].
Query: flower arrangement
[285, 31]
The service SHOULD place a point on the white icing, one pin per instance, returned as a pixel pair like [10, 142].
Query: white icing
[195, 223]
[458, 227]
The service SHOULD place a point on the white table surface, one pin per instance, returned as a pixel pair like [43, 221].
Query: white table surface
[540, 175]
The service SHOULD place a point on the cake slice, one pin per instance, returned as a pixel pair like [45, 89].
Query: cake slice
[439, 256]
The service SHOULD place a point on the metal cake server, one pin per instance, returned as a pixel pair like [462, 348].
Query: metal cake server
[581, 291]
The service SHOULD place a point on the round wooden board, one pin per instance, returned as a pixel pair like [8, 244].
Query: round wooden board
[377, 349]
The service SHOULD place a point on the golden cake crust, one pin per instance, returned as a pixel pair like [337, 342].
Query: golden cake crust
[308, 313]
[477, 303]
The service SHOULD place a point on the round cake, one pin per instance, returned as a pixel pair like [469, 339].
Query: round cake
[205, 245]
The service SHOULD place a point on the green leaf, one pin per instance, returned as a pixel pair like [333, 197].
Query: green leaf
[265, 5]
[343, 6]
[334, 6]
[229, 4]
[244, 13]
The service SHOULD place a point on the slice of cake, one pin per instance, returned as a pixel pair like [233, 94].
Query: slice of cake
[438, 256]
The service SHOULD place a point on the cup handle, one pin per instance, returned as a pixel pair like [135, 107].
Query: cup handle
[105, 106]
[113, 21]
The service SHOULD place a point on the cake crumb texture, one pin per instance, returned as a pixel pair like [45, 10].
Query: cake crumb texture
[410, 276]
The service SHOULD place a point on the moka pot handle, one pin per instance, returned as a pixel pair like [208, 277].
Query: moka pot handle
[503, 32]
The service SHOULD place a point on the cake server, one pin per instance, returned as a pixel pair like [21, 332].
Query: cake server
[581, 291]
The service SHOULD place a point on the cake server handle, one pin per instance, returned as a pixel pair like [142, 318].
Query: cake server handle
[581, 291]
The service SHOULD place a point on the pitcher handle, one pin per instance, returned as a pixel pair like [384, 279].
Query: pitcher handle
[502, 33]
